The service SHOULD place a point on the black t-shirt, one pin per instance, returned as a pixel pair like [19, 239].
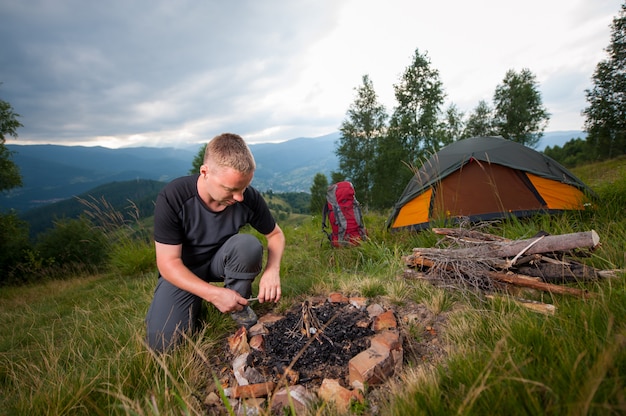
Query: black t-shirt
[180, 217]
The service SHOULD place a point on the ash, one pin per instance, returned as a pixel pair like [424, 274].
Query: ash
[320, 338]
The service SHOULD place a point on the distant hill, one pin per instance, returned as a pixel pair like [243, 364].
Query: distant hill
[559, 138]
[54, 173]
[290, 166]
[132, 199]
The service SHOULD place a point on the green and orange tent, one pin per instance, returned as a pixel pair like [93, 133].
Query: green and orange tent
[486, 178]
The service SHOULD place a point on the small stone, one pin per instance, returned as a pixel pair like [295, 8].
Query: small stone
[253, 390]
[359, 302]
[252, 406]
[371, 366]
[336, 297]
[257, 329]
[363, 323]
[239, 368]
[332, 391]
[270, 318]
[358, 385]
[385, 320]
[257, 342]
[253, 375]
[389, 339]
[292, 397]
[375, 310]
[212, 399]
[238, 342]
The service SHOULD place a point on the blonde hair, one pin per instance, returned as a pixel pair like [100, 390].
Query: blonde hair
[230, 150]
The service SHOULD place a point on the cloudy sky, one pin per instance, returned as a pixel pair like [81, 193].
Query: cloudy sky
[170, 73]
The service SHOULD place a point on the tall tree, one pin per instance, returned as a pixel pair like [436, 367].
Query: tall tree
[479, 122]
[364, 125]
[519, 114]
[392, 171]
[318, 193]
[605, 118]
[413, 129]
[420, 96]
[9, 172]
[198, 160]
[452, 125]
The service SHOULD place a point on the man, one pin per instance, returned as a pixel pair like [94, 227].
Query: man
[196, 231]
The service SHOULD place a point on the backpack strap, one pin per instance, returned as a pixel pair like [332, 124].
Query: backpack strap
[325, 212]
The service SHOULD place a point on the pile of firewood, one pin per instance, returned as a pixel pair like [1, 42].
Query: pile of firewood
[490, 263]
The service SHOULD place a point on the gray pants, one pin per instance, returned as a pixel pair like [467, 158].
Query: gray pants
[174, 311]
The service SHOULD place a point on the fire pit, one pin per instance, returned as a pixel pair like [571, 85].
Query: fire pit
[327, 348]
[317, 341]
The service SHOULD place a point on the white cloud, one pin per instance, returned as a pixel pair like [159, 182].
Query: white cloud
[161, 72]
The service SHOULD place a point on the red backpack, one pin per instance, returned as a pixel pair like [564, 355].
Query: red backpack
[344, 215]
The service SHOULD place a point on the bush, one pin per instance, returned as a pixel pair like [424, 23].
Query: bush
[14, 247]
[132, 256]
[74, 241]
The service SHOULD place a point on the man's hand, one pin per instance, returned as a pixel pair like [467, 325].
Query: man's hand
[227, 300]
[269, 287]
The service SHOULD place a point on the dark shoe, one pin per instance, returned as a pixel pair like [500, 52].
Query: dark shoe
[245, 317]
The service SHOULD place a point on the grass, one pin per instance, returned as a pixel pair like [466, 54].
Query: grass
[75, 346]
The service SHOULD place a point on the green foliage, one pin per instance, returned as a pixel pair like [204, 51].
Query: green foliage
[604, 118]
[419, 95]
[392, 171]
[74, 241]
[413, 130]
[364, 125]
[128, 198]
[299, 202]
[574, 152]
[8, 121]
[198, 160]
[479, 122]
[14, 248]
[452, 126]
[132, 256]
[9, 172]
[337, 177]
[519, 114]
[318, 193]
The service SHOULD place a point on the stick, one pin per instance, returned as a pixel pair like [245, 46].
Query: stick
[548, 244]
[514, 279]
[521, 280]
[544, 308]
[468, 234]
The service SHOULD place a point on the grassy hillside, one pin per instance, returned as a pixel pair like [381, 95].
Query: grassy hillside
[140, 193]
[76, 346]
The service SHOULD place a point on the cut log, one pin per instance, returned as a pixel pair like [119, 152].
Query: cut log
[540, 245]
[525, 281]
[510, 278]
[560, 273]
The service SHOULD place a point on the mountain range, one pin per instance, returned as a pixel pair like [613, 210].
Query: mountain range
[54, 173]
